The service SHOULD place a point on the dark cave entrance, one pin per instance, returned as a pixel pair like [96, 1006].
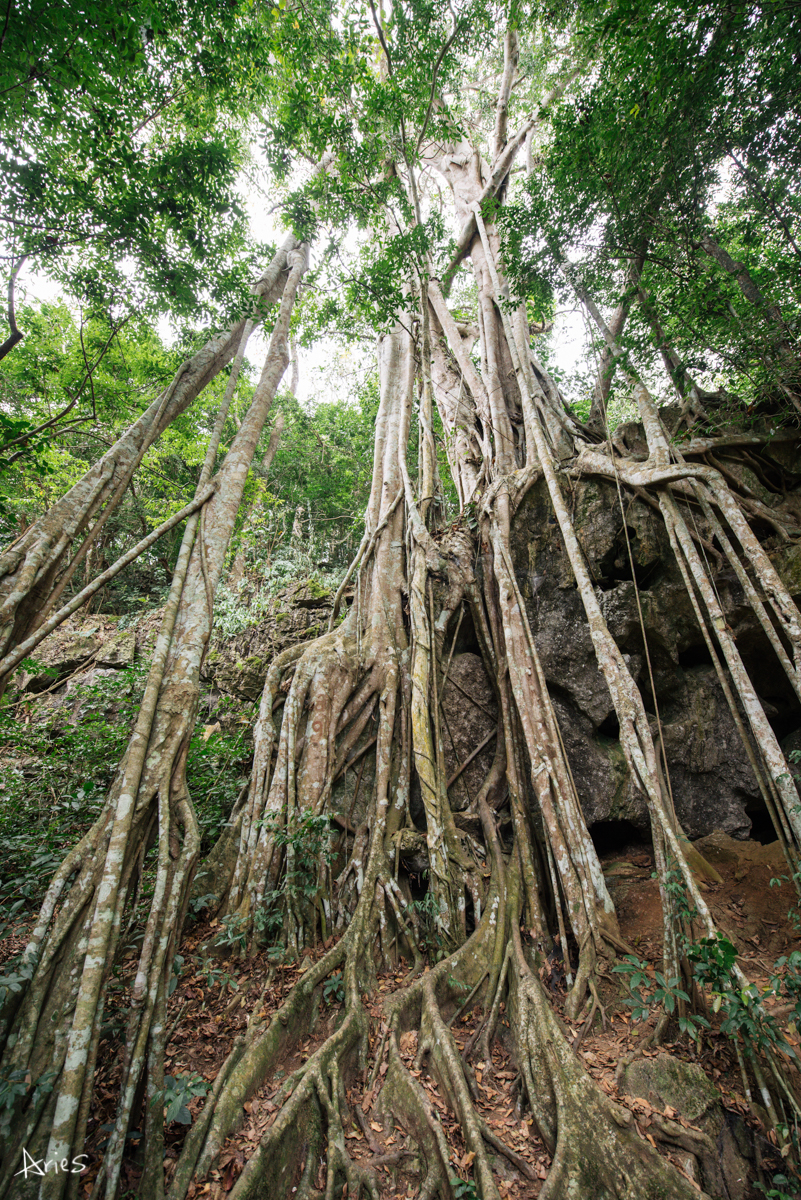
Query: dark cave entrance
[619, 837]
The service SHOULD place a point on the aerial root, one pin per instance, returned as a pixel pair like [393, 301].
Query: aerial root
[447, 1068]
[317, 1088]
[595, 1007]
[693, 1141]
[486, 1030]
[245, 1069]
[595, 1145]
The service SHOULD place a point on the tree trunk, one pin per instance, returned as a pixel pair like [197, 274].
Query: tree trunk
[81, 919]
[30, 567]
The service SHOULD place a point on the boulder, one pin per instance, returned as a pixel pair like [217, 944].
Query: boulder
[238, 665]
[723, 1160]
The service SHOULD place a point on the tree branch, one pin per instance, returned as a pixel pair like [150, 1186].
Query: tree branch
[15, 335]
[500, 169]
[26, 437]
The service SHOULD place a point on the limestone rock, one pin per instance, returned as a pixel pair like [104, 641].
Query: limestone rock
[239, 665]
[93, 640]
[711, 777]
[119, 650]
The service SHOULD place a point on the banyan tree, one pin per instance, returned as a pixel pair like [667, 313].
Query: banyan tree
[497, 162]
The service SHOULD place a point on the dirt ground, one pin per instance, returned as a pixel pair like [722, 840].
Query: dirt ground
[214, 997]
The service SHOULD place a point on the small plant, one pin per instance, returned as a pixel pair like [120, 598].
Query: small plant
[308, 850]
[179, 1091]
[741, 1009]
[13, 981]
[464, 1189]
[16, 1085]
[334, 989]
[12, 1088]
[663, 993]
[787, 981]
[233, 933]
[175, 975]
[217, 976]
[200, 902]
[426, 916]
[780, 1188]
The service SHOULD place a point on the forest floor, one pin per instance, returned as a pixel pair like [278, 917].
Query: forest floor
[216, 994]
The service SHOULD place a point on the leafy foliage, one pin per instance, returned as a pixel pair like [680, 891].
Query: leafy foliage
[308, 842]
[120, 144]
[179, 1091]
[680, 133]
[58, 766]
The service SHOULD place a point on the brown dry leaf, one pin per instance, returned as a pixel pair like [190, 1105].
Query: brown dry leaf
[467, 1159]
[669, 1112]
[208, 730]
[376, 1127]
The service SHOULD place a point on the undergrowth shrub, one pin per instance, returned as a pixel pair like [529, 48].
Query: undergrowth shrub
[58, 761]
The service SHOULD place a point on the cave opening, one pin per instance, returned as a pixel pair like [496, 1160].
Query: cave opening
[619, 837]
[609, 728]
[695, 656]
[762, 827]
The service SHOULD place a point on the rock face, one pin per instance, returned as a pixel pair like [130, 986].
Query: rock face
[711, 778]
[92, 641]
[239, 665]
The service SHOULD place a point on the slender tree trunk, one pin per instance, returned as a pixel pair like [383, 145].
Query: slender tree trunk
[30, 567]
[81, 919]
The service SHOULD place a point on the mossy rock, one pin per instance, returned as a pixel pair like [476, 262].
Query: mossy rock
[787, 561]
[666, 1080]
